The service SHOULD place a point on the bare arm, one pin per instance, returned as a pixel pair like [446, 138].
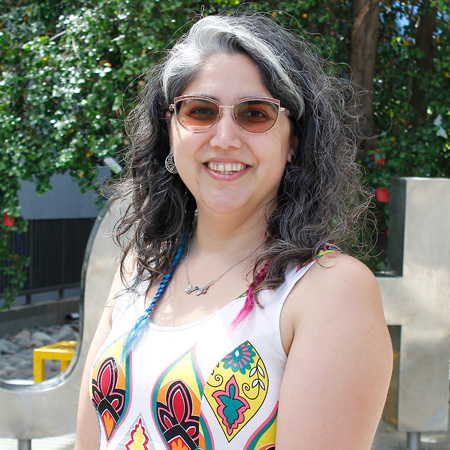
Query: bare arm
[339, 359]
[87, 436]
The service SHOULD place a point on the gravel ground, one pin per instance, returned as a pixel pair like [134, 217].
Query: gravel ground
[16, 351]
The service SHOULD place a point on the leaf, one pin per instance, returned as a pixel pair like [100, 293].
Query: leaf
[260, 382]
[261, 371]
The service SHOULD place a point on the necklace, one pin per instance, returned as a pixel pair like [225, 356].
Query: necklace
[203, 289]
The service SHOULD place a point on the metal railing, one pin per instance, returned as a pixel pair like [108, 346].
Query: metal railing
[56, 248]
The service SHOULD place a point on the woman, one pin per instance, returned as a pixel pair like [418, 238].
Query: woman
[240, 172]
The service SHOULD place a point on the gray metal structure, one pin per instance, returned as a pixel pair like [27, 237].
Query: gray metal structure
[49, 408]
[416, 297]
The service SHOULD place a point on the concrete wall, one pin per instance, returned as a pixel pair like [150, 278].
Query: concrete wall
[63, 201]
[41, 314]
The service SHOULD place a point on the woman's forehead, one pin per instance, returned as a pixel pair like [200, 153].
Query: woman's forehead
[228, 77]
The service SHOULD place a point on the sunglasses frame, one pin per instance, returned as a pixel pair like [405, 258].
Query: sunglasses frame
[172, 108]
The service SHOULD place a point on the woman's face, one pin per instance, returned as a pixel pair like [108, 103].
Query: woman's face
[226, 168]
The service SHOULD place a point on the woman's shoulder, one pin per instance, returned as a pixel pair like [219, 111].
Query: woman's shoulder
[337, 289]
[329, 266]
[339, 272]
[338, 279]
[338, 346]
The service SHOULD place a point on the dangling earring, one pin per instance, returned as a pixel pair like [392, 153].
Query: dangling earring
[170, 164]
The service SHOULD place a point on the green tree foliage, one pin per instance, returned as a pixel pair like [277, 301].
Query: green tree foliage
[71, 69]
[411, 143]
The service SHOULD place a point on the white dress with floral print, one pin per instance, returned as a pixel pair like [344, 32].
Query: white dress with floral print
[205, 385]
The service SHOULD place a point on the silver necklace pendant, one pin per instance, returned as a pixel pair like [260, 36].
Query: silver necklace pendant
[203, 290]
[189, 290]
[199, 290]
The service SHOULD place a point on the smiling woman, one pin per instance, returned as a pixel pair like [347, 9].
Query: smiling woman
[260, 150]
[235, 321]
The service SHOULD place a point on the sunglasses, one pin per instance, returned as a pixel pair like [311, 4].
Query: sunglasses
[254, 115]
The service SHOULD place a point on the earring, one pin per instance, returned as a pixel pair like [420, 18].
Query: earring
[170, 164]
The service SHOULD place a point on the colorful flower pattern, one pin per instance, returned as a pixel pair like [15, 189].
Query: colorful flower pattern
[241, 358]
[138, 439]
[176, 419]
[237, 388]
[235, 391]
[176, 404]
[231, 405]
[109, 388]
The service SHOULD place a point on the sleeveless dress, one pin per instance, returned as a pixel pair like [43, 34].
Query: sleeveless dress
[205, 385]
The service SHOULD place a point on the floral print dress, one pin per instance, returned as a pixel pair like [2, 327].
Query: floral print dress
[204, 385]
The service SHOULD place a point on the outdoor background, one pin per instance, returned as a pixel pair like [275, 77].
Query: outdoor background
[70, 71]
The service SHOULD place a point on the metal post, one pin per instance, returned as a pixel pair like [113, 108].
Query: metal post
[24, 444]
[412, 440]
[31, 227]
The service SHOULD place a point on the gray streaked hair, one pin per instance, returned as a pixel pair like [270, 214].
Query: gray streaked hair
[320, 199]
[215, 34]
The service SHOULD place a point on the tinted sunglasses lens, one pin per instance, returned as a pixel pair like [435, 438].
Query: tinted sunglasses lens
[196, 114]
[256, 116]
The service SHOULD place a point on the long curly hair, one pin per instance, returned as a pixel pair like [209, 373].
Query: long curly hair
[320, 199]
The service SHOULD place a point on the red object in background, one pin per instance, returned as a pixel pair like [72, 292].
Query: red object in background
[378, 159]
[382, 195]
[8, 220]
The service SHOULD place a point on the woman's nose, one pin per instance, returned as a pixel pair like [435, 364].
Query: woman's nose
[226, 132]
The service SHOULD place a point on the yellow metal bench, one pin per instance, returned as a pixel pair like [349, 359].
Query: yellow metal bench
[62, 351]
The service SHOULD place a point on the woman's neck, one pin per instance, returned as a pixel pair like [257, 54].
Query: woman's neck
[228, 235]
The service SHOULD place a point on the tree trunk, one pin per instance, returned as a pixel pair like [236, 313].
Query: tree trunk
[425, 27]
[363, 50]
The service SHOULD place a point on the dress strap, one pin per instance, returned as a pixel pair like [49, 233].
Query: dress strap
[326, 249]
